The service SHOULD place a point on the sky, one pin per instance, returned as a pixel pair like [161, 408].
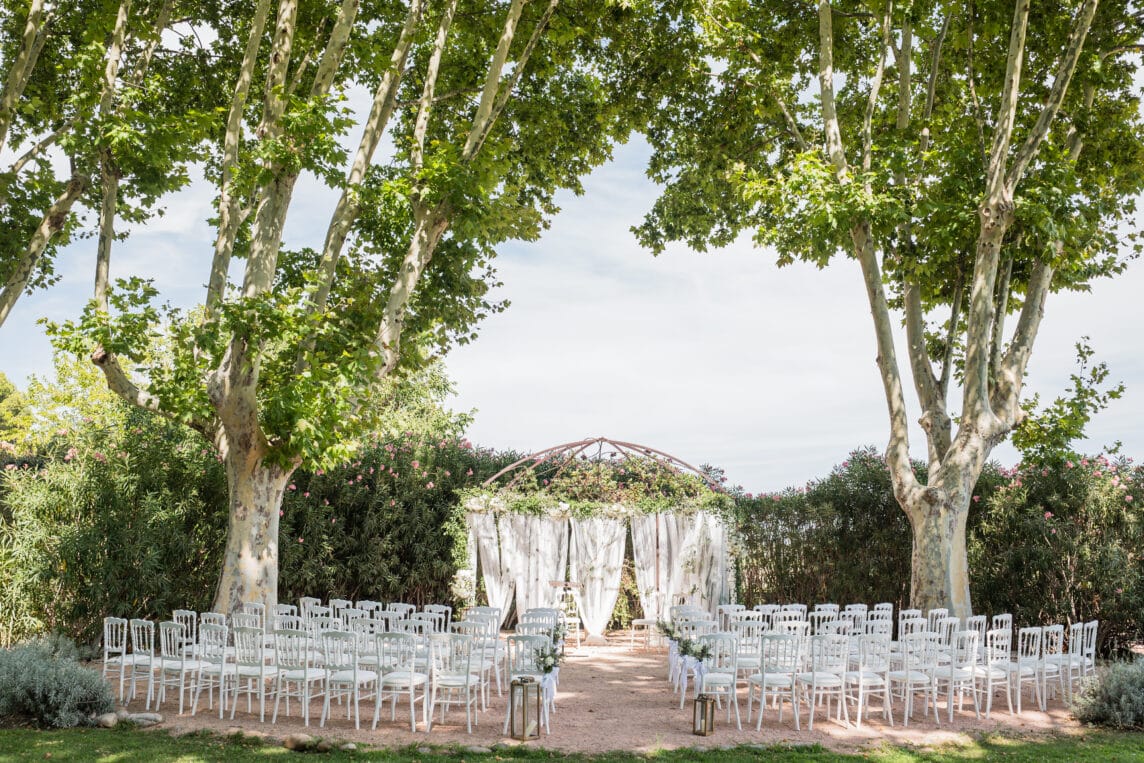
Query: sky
[719, 358]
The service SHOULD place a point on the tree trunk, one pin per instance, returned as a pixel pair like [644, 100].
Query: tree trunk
[939, 565]
[250, 562]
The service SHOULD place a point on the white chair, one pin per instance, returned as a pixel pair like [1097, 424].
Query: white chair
[286, 609]
[246, 620]
[903, 616]
[436, 620]
[484, 656]
[1072, 661]
[405, 610]
[454, 672]
[176, 662]
[960, 672]
[935, 616]
[142, 657]
[296, 675]
[115, 654]
[252, 608]
[1090, 630]
[401, 677]
[829, 659]
[723, 613]
[820, 617]
[748, 634]
[1052, 655]
[993, 670]
[338, 605]
[251, 664]
[720, 676]
[305, 603]
[1025, 669]
[441, 609]
[213, 666]
[189, 619]
[979, 623]
[871, 676]
[780, 659]
[522, 662]
[1003, 620]
[827, 607]
[918, 654]
[344, 677]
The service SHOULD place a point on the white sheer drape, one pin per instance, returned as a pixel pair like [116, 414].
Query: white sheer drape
[654, 541]
[596, 561]
[535, 550]
[495, 570]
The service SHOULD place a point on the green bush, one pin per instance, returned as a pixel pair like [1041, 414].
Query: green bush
[1063, 544]
[842, 539]
[1115, 698]
[42, 683]
[124, 518]
[387, 526]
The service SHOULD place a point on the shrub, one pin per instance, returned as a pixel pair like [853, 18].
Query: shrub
[1115, 698]
[42, 683]
[1063, 544]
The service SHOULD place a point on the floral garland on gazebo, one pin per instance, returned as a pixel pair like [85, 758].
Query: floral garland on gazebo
[563, 515]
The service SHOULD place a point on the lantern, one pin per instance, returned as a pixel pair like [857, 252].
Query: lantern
[704, 721]
[524, 698]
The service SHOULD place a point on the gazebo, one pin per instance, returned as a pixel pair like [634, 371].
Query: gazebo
[564, 514]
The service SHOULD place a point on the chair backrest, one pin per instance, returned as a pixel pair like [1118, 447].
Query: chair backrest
[980, 624]
[800, 608]
[317, 610]
[256, 608]
[998, 645]
[827, 608]
[695, 628]
[248, 646]
[1090, 629]
[339, 650]
[919, 651]
[370, 606]
[396, 651]
[533, 629]
[211, 618]
[874, 652]
[114, 636]
[786, 616]
[963, 650]
[1029, 643]
[522, 653]
[1004, 620]
[748, 632]
[451, 654]
[337, 605]
[724, 657]
[820, 616]
[879, 626]
[884, 606]
[470, 628]
[442, 609]
[484, 610]
[172, 637]
[245, 620]
[1053, 640]
[142, 637]
[212, 643]
[1076, 639]
[855, 608]
[400, 607]
[305, 603]
[288, 623]
[292, 650]
[189, 619]
[912, 625]
[489, 620]
[436, 620]
[945, 628]
[829, 653]
[907, 614]
[934, 616]
[723, 614]
[781, 653]
[348, 614]
[320, 624]
[800, 628]
[855, 618]
[285, 609]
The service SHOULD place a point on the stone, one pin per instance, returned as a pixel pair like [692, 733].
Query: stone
[324, 745]
[108, 720]
[424, 750]
[298, 742]
[234, 731]
[348, 747]
[145, 719]
[478, 750]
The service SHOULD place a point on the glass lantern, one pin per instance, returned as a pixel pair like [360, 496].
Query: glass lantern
[525, 698]
[703, 723]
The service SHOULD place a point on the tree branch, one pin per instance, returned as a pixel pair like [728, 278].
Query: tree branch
[834, 150]
[1056, 95]
[425, 105]
[875, 88]
[22, 65]
[483, 118]
[335, 49]
[1003, 131]
[1006, 393]
[52, 223]
[1000, 311]
[950, 337]
[230, 217]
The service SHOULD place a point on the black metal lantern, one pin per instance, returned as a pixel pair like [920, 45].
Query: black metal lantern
[524, 697]
[704, 722]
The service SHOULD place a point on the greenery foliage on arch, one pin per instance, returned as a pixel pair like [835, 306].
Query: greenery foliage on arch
[618, 480]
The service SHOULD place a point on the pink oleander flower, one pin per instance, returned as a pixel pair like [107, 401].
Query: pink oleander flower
[469, 473]
[416, 465]
[428, 485]
[293, 486]
[1048, 515]
[1069, 464]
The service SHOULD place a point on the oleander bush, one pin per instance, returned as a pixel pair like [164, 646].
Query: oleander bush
[43, 684]
[1114, 698]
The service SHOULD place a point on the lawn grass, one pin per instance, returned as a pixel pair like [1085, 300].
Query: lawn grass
[128, 746]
